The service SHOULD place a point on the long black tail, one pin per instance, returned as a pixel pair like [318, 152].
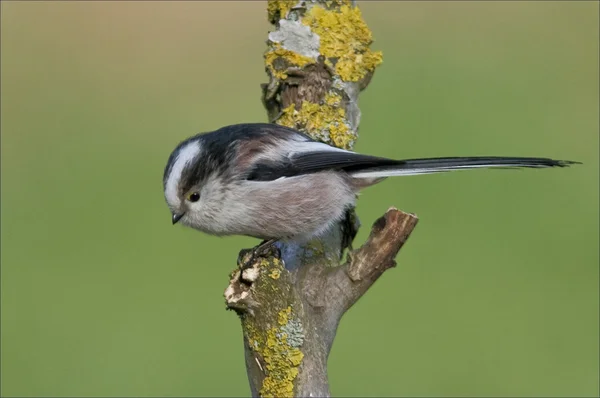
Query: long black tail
[439, 165]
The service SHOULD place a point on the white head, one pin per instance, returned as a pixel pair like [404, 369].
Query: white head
[179, 193]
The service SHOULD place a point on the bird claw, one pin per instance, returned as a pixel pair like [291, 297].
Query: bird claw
[248, 257]
[245, 258]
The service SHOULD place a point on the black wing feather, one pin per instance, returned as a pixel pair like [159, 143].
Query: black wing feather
[350, 162]
[313, 162]
[310, 162]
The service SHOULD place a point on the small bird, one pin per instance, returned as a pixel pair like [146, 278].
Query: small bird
[275, 183]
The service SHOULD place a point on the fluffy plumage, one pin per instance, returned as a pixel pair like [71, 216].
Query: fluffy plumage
[270, 181]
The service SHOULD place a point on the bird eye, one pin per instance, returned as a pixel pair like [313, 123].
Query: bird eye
[194, 197]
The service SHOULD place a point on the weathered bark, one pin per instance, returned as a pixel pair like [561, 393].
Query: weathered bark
[318, 61]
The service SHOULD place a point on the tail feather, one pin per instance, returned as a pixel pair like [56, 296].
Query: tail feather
[440, 165]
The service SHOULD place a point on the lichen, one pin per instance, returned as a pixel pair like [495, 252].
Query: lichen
[337, 31]
[296, 37]
[278, 9]
[325, 122]
[284, 315]
[275, 333]
[294, 332]
[281, 359]
[280, 352]
[333, 99]
[275, 274]
[344, 36]
[264, 262]
[278, 60]
[252, 336]
[273, 268]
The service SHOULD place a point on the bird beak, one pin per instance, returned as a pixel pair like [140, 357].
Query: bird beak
[177, 217]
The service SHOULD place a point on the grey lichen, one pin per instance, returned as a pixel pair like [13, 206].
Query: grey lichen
[294, 331]
[297, 37]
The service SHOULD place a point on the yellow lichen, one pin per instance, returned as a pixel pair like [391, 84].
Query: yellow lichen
[264, 262]
[322, 121]
[286, 59]
[278, 9]
[333, 99]
[281, 360]
[273, 267]
[278, 347]
[355, 67]
[346, 37]
[296, 356]
[283, 316]
[275, 274]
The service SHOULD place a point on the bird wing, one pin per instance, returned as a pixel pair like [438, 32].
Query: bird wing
[313, 157]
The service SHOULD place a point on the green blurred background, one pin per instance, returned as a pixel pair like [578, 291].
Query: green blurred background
[496, 292]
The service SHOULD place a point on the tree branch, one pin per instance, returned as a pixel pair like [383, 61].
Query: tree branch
[377, 255]
[318, 60]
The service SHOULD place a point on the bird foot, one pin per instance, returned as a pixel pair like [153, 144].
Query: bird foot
[248, 257]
